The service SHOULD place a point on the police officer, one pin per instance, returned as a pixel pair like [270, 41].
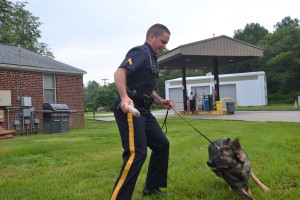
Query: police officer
[135, 80]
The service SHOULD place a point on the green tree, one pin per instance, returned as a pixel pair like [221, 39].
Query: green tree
[99, 96]
[282, 59]
[20, 27]
[92, 85]
[287, 22]
[106, 96]
[90, 95]
[252, 33]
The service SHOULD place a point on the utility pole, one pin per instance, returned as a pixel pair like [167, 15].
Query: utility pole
[104, 80]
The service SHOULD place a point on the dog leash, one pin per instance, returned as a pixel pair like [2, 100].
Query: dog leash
[165, 124]
[197, 130]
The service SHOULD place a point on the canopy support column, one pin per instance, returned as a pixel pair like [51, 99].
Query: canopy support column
[216, 93]
[184, 88]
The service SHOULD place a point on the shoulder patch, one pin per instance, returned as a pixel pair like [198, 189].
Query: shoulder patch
[129, 61]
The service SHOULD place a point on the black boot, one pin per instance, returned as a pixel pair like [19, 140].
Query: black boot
[152, 191]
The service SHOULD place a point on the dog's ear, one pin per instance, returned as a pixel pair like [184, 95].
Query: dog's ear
[226, 141]
[236, 145]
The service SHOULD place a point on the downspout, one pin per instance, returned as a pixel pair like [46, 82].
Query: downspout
[18, 97]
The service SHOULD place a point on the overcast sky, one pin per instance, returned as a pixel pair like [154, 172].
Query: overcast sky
[95, 35]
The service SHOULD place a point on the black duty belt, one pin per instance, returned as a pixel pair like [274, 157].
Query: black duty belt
[144, 102]
[141, 100]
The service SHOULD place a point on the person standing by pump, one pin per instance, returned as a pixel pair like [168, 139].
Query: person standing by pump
[135, 80]
[192, 101]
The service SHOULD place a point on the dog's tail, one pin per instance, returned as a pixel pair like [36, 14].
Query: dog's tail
[260, 184]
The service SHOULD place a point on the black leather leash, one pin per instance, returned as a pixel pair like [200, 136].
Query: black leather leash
[165, 124]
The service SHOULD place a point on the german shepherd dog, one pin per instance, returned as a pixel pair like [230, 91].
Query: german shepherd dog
[231, 163]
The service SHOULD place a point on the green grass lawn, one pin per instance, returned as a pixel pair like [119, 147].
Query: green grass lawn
[85, 162]
[269, 107]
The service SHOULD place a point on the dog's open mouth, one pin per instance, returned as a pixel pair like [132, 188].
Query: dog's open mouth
[219, 168]
[215, 166]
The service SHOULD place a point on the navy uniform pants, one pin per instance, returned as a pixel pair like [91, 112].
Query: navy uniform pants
[138, 133]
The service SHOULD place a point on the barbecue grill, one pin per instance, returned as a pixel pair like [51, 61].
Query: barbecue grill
[55, 118]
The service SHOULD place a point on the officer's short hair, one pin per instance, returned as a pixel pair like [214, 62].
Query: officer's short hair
[157, 30]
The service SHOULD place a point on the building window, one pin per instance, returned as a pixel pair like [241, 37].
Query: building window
[49, 88]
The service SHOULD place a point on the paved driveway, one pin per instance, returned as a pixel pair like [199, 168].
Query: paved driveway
[257, 116]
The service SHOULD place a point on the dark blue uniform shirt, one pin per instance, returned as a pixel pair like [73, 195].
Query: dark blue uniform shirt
[142, 63]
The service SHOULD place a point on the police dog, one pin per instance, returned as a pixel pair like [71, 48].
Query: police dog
[231, 163]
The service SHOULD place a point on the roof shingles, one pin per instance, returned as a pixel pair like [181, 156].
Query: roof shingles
[12, 57]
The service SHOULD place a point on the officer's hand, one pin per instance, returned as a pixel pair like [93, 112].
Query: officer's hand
[124, 104]
[168, 104]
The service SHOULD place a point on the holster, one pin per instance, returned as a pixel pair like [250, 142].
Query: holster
[141, 100]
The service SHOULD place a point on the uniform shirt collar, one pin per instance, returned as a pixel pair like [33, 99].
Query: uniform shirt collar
[150, 49]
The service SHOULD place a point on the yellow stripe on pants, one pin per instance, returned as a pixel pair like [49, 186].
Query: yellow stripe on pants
[130, 160]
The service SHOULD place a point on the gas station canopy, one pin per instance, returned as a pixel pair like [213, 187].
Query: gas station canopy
[202, 53]
[213, 52]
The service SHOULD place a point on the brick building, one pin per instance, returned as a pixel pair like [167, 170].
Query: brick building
[25, 75]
